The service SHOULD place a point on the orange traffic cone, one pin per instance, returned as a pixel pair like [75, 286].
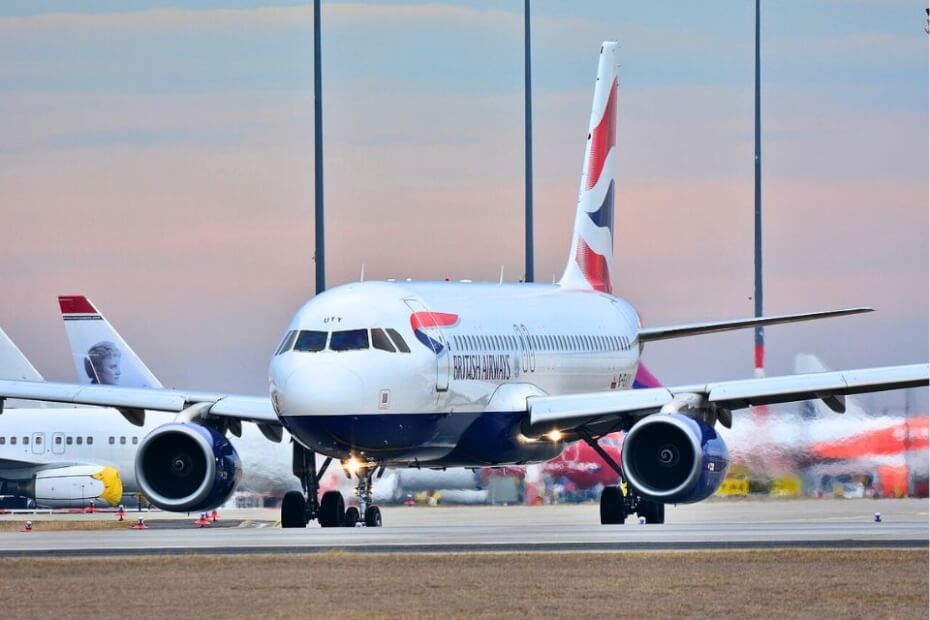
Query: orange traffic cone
[121, 512]
[28, 527]
[214, 516]
[203, 521]
[140, 525]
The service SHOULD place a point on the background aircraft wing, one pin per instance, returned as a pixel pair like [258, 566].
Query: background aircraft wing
[649, 334]
[606, 411]
[247, 408]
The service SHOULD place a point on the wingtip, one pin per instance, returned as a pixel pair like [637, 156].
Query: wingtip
[75, 304]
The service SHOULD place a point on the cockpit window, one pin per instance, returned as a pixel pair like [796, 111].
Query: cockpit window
[287, 342]
[398, 341]
[310, 341]
[349, 340]
[379, 340]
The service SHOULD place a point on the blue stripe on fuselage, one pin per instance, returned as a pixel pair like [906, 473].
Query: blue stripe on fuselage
[482, 439]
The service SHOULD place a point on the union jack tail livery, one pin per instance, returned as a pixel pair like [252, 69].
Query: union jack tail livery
[591, 257]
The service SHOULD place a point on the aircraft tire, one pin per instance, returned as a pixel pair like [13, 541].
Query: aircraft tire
[293, 510]
[652, 512]
[373, 516]
[613, 512]
[332, 509]
[352, 517]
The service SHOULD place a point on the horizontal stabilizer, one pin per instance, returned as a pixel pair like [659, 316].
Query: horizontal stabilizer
[650, 334]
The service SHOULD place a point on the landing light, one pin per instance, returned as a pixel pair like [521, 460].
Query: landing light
[554, 436]
[353, 465]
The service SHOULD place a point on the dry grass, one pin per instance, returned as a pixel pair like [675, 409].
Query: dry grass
[754, 584]
[65, 525]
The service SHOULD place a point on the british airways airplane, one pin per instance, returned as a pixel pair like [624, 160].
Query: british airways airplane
[440, 374]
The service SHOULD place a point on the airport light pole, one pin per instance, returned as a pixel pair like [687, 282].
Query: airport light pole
[319, 255]
[759, 331]
[528, 143]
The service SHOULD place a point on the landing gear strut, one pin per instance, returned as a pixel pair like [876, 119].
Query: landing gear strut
[617, 503]
[367, 511]
[299, 508]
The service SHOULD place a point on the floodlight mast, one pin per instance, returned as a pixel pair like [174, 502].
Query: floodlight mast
[757, 297]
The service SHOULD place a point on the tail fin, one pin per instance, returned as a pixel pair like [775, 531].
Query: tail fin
[591, 257]
[100, 354]
[13, 364]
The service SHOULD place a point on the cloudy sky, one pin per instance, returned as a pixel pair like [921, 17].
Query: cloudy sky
[157, 156]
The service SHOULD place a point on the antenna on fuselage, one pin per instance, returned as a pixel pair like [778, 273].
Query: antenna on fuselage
[361, 277]
[501, 281]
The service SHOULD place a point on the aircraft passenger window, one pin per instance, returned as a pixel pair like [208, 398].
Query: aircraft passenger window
[25, 441]
[287, 342]
[398, 341]
[111, 440]
[38, 441]
[69, 440]
[2, 441]
[312, 341]
[90, 441]
[79, 441]
[12, 441]
[349, 340]
[57, 440]
[135, 441]
[380, 341]
[122, 441]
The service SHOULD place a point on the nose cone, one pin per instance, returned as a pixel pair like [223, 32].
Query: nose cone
[320, 390]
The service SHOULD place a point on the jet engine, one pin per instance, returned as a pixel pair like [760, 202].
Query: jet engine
[674, 459]
[186, 467]
[75, 486]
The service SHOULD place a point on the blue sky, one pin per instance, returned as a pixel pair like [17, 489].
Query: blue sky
[163, 151]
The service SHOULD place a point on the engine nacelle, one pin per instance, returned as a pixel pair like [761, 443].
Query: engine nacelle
[186, 467]
[674, 459]
[75, 486]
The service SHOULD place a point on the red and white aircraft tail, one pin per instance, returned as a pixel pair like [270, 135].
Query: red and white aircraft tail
[100, 354]
[591, 256]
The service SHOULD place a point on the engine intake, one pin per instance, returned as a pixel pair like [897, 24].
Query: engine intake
[674, 459]
[186, 467]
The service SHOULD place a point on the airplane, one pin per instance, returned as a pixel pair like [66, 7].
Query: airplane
[58, 457]
[442, 374]
[94, 343]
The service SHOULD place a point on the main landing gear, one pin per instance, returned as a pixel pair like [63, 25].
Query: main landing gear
[619, 502]
[299, 508]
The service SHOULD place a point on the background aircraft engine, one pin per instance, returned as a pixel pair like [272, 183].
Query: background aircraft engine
[674, 459]
[69, 487]
[186, 467]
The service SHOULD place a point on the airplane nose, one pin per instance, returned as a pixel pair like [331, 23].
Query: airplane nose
[320, 390]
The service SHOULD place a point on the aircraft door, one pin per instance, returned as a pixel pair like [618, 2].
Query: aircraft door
[58, 443]
[436, 340]
[38, 443]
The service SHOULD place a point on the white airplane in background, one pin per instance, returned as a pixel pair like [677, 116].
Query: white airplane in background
[442, 374]
[59, 457]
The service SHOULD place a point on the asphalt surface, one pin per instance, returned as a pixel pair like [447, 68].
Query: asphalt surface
[714, 525]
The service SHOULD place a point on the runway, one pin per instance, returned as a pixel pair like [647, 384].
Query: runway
[716, 525]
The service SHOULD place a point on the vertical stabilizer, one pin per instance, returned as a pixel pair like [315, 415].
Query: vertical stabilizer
[100, 354]
[591, 256]
[13, 364]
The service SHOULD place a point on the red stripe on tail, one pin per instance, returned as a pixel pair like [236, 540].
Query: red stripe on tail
[75, 304]
[603, 138]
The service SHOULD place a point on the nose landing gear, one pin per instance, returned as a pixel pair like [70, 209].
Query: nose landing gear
[299, 508]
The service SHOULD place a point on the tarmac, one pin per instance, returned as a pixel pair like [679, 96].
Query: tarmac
[714, 525]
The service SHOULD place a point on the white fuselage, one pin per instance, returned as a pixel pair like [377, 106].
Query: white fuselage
[477, 351]
[34, 439]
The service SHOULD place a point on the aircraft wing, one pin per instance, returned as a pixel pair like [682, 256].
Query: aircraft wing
[256, 409]
[649, 334]
[604, 411]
